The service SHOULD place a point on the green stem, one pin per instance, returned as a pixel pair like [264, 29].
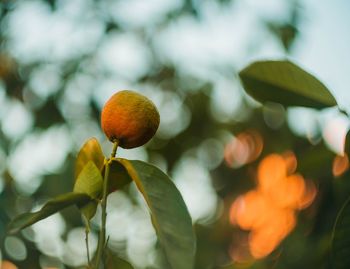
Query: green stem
[102, 236]
[87, 230]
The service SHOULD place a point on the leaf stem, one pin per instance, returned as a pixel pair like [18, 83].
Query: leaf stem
[87, 230]
[102, 236]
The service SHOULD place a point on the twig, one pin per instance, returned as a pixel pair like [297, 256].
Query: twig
[102, 236]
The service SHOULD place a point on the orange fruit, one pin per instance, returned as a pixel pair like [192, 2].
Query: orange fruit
[130, 118]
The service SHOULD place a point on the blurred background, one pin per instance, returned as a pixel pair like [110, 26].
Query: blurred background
[60, 60]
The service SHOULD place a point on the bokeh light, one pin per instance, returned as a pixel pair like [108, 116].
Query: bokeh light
[48, 235]
[36, 147]
[274, 115]
[340, 165]
[244, 148]
[15, 248]
[291, 162]
[268, 212]
[334, 133]
[7, 265]
[203, 205]
[74, 252]
[50, 262]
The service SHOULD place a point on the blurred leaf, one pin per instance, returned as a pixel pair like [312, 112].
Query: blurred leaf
[118, 176]
[285, 32]
[315, 161]
[90, 151]
[51, 207]
[286, 83]
[113, 261]
[170, 216]
[48, 115]
[347, 144]
[340, 241]
[89, 182]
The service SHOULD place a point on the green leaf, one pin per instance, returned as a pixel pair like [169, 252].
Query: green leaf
[89, 210]
[90, 151]
[51, 207]
[90, 182]
[340, 239]
[347, 144]
[286, 83]
[118, 176]
[169, 213]
[113, 261]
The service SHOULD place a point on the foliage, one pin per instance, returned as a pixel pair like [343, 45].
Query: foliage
[168, 210]
[51, 207]
[285, 83]
[196, 130]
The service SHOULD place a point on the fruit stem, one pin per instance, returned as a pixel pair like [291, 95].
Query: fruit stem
[115, 147]
[102, 236]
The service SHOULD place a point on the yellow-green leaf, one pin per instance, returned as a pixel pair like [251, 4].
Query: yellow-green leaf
[90, 151]
[286, 83]
[89, 182]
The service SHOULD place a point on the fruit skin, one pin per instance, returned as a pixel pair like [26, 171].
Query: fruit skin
[131, 118]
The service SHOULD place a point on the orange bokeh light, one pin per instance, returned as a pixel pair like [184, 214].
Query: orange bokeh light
[340, 165]
[246, 210]
[289, 192]
[291, 162]
[244, 148]
[309, 195]
[268, 212]
[8, 265]
[271, 171]
[264, 240]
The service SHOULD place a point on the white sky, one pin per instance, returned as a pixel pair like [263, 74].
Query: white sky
[324, 45]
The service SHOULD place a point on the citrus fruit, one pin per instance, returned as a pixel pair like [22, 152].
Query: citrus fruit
[130, 118]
